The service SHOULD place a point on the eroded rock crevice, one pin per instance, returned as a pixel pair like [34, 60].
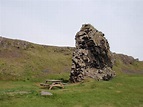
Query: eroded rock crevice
[92, 56]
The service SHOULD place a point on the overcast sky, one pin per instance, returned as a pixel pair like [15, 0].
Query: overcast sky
[55, 22]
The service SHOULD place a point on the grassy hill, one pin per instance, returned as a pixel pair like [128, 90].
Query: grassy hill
[21, 60]
[24, 65]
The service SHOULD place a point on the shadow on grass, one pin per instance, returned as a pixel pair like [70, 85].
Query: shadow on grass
[64, 80]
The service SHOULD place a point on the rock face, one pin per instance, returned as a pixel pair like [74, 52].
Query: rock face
[92, 56]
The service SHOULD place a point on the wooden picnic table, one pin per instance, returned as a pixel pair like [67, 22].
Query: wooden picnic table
[52, 83]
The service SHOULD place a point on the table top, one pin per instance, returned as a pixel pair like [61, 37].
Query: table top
[53, 80]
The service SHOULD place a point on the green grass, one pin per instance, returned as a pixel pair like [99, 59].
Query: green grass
[122, 91]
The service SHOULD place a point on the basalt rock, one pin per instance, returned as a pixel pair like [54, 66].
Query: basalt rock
[92, 56]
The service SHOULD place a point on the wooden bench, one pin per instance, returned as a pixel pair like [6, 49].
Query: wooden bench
[52, 83]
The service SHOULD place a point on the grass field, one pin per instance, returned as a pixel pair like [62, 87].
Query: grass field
[122, 91]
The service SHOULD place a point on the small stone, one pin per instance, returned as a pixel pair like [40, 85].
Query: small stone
[45, 93]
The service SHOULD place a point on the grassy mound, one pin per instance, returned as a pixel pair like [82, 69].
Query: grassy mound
[21, 60]
[31, 61]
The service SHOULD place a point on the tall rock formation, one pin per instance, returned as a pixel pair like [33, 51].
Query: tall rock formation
[92, 56]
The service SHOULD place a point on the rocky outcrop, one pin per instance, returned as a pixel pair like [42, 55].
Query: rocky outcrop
[125, 59]
[92, 56]
[9, 43]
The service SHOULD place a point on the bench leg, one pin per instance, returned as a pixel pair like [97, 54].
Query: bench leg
[62, 85]
[50, 87]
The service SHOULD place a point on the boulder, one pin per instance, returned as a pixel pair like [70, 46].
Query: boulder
[45, 93]
[92, 56]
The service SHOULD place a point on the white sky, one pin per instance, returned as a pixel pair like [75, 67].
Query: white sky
[55, 22]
